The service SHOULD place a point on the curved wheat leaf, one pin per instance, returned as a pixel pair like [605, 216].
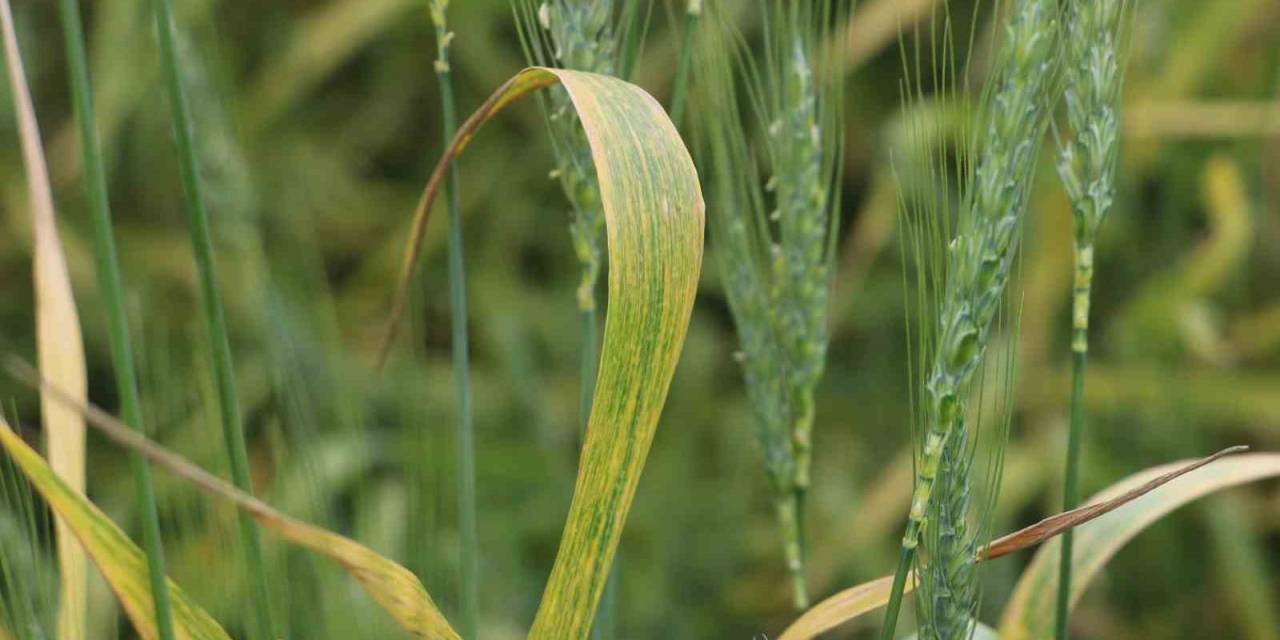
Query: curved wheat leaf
[121, 562]
[654, 216]
[856, 601]
[59, 343]
[1029, 613]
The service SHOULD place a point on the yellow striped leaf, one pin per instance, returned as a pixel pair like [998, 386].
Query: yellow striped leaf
[121, 562]
[654, 224]
[1030, 612]
[58, 340]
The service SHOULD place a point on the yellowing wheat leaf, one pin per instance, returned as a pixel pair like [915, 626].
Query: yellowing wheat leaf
[121, 562]
[58, 340]
[654, 218]
[392, 586]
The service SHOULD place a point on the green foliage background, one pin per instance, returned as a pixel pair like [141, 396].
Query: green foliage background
[319, 124]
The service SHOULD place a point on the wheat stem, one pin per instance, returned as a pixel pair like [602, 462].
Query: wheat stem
[215, 322]
[468, 543]
[108, 271]
[679, 95]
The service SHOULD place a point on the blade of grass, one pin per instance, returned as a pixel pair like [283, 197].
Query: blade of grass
[469, 588]
[854, 602]
[211, 306]
[392, 586]
[59, 343]
[654, 223]
[121, 562]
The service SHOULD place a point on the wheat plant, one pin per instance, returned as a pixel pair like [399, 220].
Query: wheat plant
[978, 261]
[1087, 165]
[775, 241]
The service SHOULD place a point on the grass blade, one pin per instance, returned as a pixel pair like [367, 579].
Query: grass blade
[59, 343]
[1030, 613]
[392, 586]
[654, 224]
[211, 306]
[121, 562]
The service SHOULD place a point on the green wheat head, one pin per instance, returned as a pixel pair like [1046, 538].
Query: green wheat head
[774, 241]
[967, 290]
[1087, 159]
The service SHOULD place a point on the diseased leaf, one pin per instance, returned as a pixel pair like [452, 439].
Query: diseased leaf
[392, 586]
[121, 562]
[654, 217]
[1030, 613]
[59, 344]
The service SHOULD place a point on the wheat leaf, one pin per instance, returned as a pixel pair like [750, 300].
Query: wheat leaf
[59, 344]
[121, 562]
[867, 597]
[654, 224]
[843, 607]
[1029, 613]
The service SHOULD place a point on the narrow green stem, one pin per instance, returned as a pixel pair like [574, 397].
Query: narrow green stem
[905, 558]
[680, 91]
[108, 270]
[468, 552]
[1071, 492]
[1071, 482]
[211, 305]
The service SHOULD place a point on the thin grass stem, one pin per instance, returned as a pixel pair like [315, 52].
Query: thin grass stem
[211, 306]
[679, 94]
[468, 552]
[109, 282]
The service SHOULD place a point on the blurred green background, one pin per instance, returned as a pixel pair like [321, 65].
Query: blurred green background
[319, 123]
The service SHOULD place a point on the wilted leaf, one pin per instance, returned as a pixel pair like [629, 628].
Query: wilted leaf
[654, 223]
[121, 562]
[58, 340]
[1030, 613]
